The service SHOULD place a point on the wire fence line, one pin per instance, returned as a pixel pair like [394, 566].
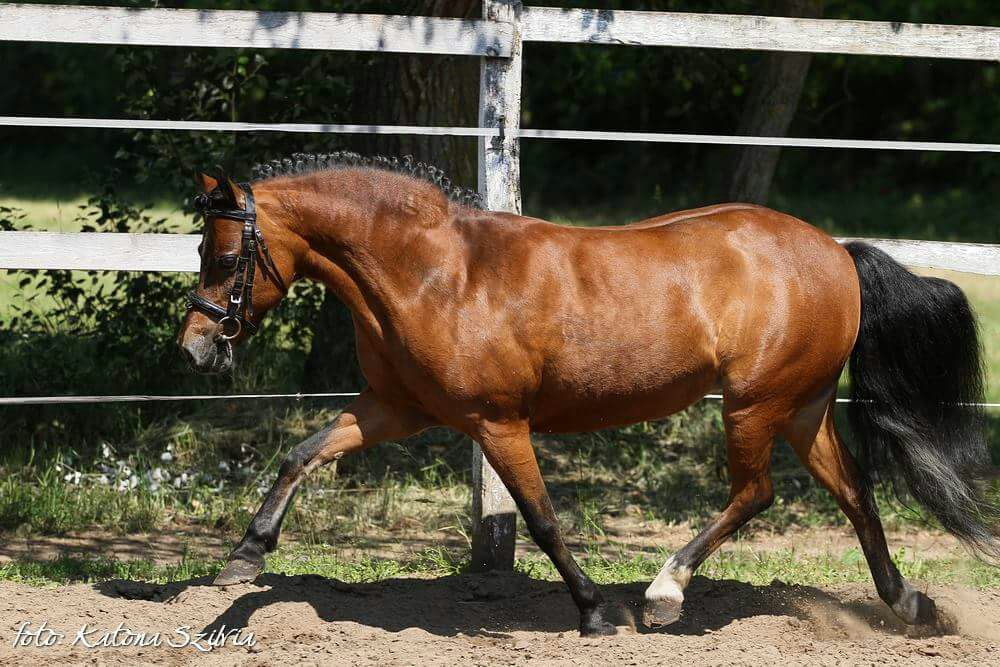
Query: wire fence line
[488, 132]
[143, 398]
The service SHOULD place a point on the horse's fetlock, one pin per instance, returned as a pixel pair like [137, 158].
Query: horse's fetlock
[255, 544]
[545, 532]
[292, 467]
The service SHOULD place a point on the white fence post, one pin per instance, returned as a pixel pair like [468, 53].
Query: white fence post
[494, 514]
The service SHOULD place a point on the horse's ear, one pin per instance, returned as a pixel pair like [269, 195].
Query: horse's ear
[205, 182]
[227, 186]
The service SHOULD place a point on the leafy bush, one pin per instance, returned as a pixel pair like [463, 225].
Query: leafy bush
[89, 332]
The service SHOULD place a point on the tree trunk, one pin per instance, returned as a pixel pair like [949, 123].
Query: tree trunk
[774, 96]
[401, 90]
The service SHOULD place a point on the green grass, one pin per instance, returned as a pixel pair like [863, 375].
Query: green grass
[762, 567]
[74, 569]
[63, 214]
[220, 465]
[211, 470]
[754, 567]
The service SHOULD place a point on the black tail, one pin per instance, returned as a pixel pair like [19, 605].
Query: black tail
[915, 373]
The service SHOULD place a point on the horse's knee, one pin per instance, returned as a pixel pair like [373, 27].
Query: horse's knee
[304, 457]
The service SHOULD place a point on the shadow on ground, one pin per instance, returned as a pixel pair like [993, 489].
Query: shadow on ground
[494, 604]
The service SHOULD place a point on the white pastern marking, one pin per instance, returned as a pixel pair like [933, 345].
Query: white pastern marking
[670, 582]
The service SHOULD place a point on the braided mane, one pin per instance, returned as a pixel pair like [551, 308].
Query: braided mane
[308, 163]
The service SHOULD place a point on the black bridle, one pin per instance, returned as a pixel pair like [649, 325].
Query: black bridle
[240, 306]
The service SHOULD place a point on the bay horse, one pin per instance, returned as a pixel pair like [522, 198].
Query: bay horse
[498, 325]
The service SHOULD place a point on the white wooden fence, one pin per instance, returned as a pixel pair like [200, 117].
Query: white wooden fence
[498, 40]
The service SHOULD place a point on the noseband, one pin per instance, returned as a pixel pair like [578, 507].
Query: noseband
[240, 307]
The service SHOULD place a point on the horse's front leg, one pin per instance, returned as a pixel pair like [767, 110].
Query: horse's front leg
[365, 422]
[508, 449]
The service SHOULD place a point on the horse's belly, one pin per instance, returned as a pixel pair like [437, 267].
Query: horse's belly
[605, 393]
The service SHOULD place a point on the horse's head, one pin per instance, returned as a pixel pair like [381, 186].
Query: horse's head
[247, 265]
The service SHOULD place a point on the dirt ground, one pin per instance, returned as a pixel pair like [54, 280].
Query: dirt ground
[475, 619]
[484, 619]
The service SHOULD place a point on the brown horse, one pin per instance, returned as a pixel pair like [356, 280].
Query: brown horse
[498, 325]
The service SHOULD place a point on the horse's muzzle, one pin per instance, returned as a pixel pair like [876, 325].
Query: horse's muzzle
[207, 355]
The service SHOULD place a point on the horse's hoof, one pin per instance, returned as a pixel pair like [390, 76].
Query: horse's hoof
[238, 571]
[659, 612]
[593, 623]
[922, 615]
[915, 608]
[598, 629]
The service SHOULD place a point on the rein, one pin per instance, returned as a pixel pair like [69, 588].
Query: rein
[240, 305]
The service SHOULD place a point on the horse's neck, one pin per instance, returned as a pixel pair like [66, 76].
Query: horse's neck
[380, 260]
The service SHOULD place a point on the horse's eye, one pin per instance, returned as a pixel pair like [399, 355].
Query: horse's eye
[227, 261]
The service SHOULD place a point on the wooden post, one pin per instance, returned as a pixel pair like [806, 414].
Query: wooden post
[494, 514]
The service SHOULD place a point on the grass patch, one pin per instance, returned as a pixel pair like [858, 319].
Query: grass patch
[762, 567]
[75, 569]
[753, 567]
[63, 214]
[212, 471]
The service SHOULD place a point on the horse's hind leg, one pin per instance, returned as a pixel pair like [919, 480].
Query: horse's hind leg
[749, 440]
[830, 462]
[363, 423]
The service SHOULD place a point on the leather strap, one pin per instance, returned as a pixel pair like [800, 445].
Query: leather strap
[240, 303]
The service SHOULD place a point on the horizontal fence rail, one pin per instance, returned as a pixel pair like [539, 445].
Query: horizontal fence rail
[981, 258]
[262, 30]
[418, 34]
[100, 251]
[111, 251]
[763, 33]
[487, 132]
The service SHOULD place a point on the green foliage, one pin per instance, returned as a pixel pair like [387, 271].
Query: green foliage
[44, 504]
[113, 333]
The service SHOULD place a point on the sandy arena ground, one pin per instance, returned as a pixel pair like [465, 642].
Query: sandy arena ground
[488, 619]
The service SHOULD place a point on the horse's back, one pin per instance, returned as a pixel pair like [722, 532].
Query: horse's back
[641, 320]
